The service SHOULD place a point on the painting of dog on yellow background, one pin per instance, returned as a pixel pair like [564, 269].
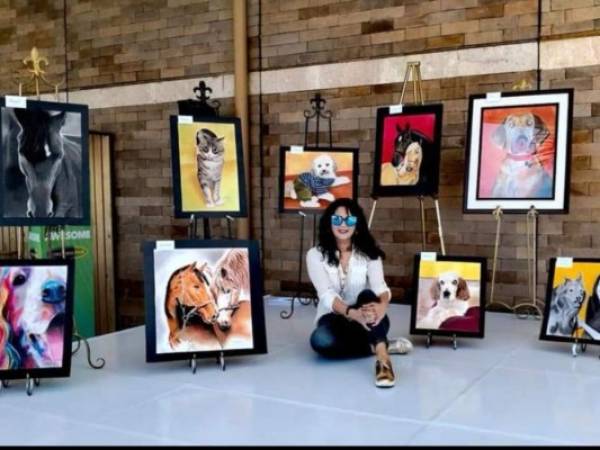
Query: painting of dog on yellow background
[208, 168]
[449, 296]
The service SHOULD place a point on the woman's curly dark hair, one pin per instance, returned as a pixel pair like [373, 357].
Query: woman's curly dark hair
[362, 240]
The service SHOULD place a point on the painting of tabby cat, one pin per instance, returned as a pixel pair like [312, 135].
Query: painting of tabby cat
[208, 167]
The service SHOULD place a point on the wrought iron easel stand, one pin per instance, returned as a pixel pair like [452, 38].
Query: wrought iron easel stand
[317, 112]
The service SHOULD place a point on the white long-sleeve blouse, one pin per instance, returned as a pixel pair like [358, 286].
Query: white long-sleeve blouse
[363, 273]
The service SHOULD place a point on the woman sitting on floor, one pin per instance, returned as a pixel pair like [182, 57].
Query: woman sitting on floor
[347, 272]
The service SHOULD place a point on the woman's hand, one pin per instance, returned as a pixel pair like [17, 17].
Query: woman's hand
[357, 316]
[375, 312]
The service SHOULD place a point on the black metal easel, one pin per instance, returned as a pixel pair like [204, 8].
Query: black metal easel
[317, 112]
[202, 106]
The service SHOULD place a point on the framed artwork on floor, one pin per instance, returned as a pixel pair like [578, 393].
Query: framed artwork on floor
[407, 151]
[44, 164]
[518, 152]
[311, 178]
[572, 311]
[203, 298]
[208, 167]
[36, 310]
[449, 296]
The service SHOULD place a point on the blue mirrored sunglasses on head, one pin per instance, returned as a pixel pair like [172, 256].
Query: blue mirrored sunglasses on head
[338, 220]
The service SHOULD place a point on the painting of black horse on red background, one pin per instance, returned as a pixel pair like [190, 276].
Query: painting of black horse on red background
[45, 165]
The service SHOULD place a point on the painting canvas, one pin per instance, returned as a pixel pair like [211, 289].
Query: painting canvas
[36, 306]
[44, 164]
[407, 151]
[203, 298]
[572, 311]
[208, 167]
[450, 296]
[519, 151]
[311, 178]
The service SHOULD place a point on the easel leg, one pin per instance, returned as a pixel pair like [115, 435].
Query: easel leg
[29, 385]
[532, 259]
[372, 213]
[440, 228]
[221, 361]
[429, 340]
[191, 227]
[229, 222]
[284, 314]
[206, 223]
[193, 364]
[454, 342]
[423, 230]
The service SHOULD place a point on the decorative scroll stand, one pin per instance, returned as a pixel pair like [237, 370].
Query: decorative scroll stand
[413, 73]
[317, 112]
[203, 106]
[35, 74]
[532, 307]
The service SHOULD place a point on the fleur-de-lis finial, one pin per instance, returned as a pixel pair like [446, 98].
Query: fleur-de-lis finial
[36, 63]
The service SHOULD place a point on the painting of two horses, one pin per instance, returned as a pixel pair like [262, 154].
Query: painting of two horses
[44, 164]
[203, 297]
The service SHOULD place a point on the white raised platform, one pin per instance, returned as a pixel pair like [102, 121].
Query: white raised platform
[509, 388]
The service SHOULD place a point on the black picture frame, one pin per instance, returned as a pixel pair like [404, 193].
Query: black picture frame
[429, 179]
[544, 336]
[283, 150]
[176, 170]
[65, 369]
[84, 189]
[520, 205]
[482, 297]
[256, 298]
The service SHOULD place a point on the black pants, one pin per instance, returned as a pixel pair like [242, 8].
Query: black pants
[338, 337]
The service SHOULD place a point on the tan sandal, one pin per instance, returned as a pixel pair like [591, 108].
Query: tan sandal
[384, 374]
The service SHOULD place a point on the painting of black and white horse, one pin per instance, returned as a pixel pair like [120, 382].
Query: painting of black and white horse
[43, 165]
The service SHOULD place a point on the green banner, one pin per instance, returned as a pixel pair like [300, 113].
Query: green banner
[78, 244]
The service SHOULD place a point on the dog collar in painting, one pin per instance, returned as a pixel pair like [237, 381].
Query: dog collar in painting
[521, 157]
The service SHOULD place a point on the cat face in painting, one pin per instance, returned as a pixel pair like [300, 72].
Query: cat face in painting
[208, 145]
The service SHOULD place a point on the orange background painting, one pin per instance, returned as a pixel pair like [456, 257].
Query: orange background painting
[296, 163]
[493, 156]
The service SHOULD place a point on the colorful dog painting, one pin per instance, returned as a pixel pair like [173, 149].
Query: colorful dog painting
[518, 152]
[34, 311]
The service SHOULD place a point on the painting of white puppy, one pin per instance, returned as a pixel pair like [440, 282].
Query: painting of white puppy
[313, 178]
[448, 296]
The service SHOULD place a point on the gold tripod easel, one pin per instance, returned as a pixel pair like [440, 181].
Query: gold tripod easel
[35, 71]
[34, 74]
[413, 73]
[34, 77]
[532, 258]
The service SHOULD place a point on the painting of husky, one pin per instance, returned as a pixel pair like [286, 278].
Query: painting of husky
[566, 301]
[572, 312]
[44, 166]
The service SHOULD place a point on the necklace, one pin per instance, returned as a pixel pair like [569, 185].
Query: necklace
[343, 275]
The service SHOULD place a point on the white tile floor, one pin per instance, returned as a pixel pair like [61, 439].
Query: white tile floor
[507, 389]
